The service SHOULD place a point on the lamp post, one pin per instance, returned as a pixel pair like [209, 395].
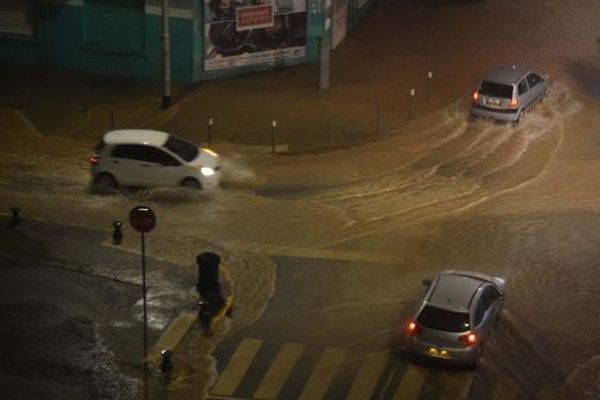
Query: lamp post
[166, 55]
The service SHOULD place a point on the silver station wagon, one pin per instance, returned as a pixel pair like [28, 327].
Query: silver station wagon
[455, 316]
[505, 93]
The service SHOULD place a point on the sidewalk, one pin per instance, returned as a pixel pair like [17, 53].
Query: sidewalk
[372, 74]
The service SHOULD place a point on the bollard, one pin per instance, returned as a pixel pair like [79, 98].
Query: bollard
[117, 238]
[210, 125]
[166, 362]
[15, 218]
[86, 99]
[329, 128]
[204, 316]
[379, 119]
[411, 96]
[273, 126]
[429, 76]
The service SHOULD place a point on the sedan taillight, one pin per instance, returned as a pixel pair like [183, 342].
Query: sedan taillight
[470, 339]
[412, 328]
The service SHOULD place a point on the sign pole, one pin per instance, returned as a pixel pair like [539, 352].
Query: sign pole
[143, 220]
[144, 295]
[145, 317]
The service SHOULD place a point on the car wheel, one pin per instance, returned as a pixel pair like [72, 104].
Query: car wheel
[543, 96]
[191, 183]
[520, 117]
[106, 184]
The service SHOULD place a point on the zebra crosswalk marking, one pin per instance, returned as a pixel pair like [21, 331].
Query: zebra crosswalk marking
[367, 377]
[411, 383]
[236, 368]
[503, 392]
[323, 374]
[279, 371]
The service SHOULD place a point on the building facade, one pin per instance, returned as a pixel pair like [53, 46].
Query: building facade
[209, 39]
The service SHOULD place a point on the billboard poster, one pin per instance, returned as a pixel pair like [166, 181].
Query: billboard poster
[248, 32]
[340, 21]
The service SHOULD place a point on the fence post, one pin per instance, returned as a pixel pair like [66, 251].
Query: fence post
[429, 76]
[328, 132]
[210, 126]
[86, 99]
[273, 126]
[411, 96]
[379, 118]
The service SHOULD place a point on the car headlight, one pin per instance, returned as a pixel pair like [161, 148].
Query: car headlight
[207, 171]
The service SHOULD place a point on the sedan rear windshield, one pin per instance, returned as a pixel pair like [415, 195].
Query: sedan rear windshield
[496, 90]
[444, 320]
[183, 149]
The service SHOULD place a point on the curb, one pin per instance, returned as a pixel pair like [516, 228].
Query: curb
[177, 330]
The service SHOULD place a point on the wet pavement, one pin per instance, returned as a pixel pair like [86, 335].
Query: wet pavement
[426, 194]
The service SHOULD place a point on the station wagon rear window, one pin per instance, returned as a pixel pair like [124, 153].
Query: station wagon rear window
[496, 90]
[444, 320]
[183, 149]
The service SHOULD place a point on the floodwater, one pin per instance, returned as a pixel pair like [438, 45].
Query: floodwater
[440, 192]
[449, 193]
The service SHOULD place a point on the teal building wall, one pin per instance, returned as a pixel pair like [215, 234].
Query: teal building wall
[123, 37]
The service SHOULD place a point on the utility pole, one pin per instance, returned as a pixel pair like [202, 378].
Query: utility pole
[324, 59]
[325, 47]
[166, 55]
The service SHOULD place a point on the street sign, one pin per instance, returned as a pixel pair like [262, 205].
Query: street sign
[142, 219]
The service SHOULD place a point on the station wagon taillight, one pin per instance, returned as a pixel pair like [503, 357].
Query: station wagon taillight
[470, 339]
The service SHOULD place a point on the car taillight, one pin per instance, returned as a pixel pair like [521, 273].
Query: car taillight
[412, 329]
[470, 339]
[94, 159]
[514, 103]
[476, 97]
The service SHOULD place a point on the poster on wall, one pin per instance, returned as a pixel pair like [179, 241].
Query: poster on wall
[340, 21]
[247, 32]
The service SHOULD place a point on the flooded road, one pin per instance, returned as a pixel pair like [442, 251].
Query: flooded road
[448, 193]
[348, 235]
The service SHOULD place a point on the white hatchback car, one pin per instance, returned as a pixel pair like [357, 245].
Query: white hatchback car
[147, 158]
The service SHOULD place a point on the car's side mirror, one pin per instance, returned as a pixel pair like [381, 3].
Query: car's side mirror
[426, 282]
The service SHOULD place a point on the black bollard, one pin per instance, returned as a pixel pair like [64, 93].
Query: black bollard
[205, 316]
[166, 363]
[15, 219]
[117, 233]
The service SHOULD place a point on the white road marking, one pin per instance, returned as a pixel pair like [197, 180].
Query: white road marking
[239, 363]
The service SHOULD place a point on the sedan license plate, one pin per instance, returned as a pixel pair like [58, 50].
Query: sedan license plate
[441, 353]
